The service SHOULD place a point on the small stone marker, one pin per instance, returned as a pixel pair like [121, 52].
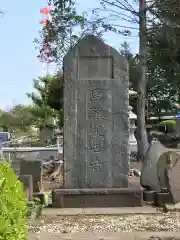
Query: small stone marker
[172, 207]
[173, 175]
[33, 168]
[178, 127]
[178, 124]
[162, 166]
[149, 177]
[1, 151]
[27, 181]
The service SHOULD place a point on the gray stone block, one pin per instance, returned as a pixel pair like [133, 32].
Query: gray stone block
[27, 181]
[148, 196]
[84, 198]
[173, 177]
[96, 117]
[33, 168]
[162, 198]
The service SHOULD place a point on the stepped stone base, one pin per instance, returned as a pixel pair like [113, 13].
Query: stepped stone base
[84, 198]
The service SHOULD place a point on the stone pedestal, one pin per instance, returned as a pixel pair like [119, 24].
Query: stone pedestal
[110, 197]
[96, 126]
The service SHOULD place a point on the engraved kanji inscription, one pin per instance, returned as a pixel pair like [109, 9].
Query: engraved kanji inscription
[96, 137]
[95, 164]
[95, 144]
[94, 114]
[95, 95]
[96, 130]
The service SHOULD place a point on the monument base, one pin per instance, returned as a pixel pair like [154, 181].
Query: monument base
[84, 198]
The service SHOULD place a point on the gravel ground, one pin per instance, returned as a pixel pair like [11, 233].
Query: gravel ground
[126, 223]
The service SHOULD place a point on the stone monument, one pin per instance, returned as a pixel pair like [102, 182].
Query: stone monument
[161, 169]
[96, 128]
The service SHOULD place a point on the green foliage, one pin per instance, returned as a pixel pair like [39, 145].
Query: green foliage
[66, 27]
[40, 110]
[168, 122]
[164, 50]
[19, 118]
[57, 35]
[133, 71]
[35, 208]
[133, 65]
[167, 126]
[13, 205]
[47, 99]
[55, 92]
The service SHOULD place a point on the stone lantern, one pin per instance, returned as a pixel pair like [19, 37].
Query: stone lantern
[132, 139]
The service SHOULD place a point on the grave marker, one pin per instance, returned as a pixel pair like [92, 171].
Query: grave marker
[33, 168]
[96, 124]
[96, 129]
[173, 175]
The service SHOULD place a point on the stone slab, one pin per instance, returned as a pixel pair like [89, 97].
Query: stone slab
[161, 198]
[33, 168]
[149, 175]
[106, 236]
[96, 116]
[172, 207]
[177, 127]
[173, 176]
[148, 196]
[84, 198]
[101, 211]
[27, 181]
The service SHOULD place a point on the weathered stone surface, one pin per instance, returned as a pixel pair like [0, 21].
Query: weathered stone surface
[162, 166]
[33, 168]
[173, 176]
[149, 176]
[161, 198]
[28, 156]
[96, 125]
[165, 162]
[172, 207]
[110, 197]
[46, 133]
[148, 196]
[27, 181]
[178, 127]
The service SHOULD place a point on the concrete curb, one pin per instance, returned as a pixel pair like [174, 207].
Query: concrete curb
[106, 236]
[100, 211]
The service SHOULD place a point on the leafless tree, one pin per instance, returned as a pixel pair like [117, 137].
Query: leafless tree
[135, 17]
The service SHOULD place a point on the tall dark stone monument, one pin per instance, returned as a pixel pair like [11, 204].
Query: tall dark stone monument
[96, 123]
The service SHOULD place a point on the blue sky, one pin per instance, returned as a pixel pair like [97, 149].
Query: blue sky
[18, 61]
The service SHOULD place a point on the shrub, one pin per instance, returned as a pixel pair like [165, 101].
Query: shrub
[168, 122]
[169, 125]
[13, 205]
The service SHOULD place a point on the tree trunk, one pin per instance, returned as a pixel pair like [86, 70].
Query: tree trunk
[141, 101]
